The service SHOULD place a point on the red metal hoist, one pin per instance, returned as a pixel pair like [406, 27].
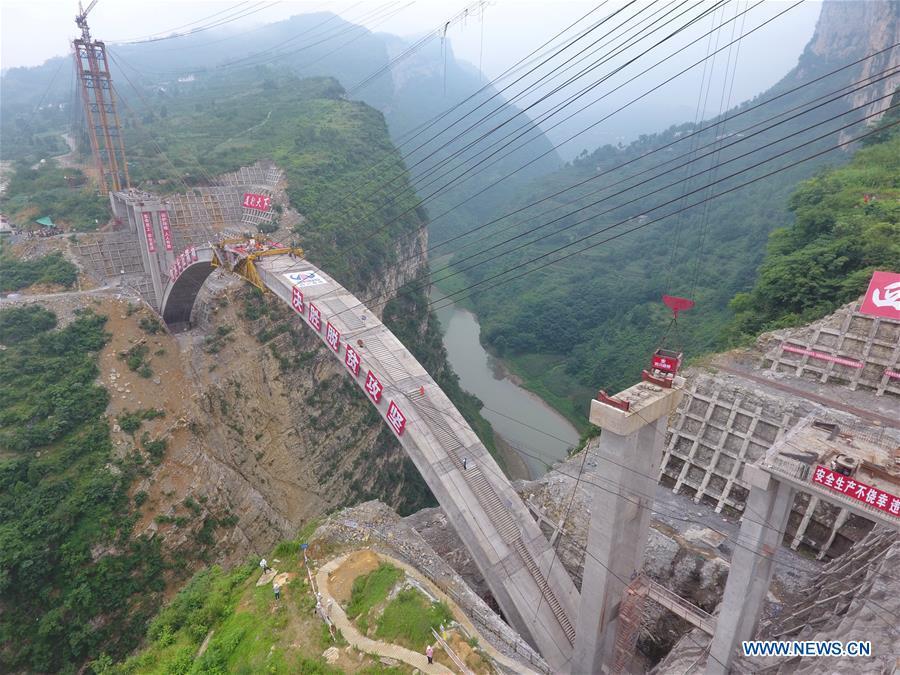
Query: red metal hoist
[665, 363]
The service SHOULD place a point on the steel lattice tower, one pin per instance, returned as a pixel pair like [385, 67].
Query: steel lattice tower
[101, 116]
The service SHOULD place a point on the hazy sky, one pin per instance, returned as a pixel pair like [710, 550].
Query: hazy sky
[35, 30]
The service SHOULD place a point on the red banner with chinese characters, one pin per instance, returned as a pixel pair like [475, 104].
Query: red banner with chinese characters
[333, 337]
[396, 419]
[883, 296]
[352, 360]
[873, 496]
[373, 387]
[297, 300]
[256, 201]
[148, 231]
[315, 317]
[822, 356]
[166, 232]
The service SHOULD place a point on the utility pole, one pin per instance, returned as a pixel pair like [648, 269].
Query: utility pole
[101, 116]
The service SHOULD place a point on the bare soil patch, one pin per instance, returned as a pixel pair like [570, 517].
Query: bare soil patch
[340, 581]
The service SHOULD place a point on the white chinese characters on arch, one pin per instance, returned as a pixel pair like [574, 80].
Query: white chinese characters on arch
[352, 360]
[297, 300]
[315, 317]
[374, 388]
[333, 337]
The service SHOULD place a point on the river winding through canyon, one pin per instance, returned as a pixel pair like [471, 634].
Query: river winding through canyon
[532, 435]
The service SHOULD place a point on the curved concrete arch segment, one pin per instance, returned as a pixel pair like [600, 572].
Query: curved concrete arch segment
[536, 595]
[178, 298]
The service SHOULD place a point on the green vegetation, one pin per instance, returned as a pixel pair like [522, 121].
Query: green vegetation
[408, 619]
[156, 448]
[130, 422]
[135, 358]
[213, 344]
[325, 144]
[591, 321]
[150, 324]
[372, 589]
[51, 190]
[16, 274]
[248, 631]
[846, 224]
[73, 580]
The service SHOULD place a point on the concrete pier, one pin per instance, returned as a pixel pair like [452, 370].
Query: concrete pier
[752, 564]
[624, 482]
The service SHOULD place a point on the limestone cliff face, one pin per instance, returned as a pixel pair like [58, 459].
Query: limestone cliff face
[852, 29]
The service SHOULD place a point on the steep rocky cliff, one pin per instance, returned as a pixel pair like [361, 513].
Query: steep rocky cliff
[280, 433]
[852, 29]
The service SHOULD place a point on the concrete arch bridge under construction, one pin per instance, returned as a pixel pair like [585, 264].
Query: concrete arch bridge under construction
[166, 248]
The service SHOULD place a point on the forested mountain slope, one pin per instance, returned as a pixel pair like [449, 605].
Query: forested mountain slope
[99, 518]
[846, 225]
[419, 87]
[687, 212]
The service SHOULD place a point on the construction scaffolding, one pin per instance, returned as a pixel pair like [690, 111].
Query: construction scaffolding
[100, 114]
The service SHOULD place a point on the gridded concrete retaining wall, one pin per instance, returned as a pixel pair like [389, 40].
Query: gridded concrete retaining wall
[846, 334]
[718, 427]
[727, 419]
[721, 424]
[201, 210]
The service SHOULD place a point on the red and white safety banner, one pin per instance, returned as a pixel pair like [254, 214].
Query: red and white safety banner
[822, 356]
[867, 494]
[166, 232]
[147, 217]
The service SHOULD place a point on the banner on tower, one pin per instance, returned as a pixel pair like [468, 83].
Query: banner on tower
[166, 232]
[147, 217]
